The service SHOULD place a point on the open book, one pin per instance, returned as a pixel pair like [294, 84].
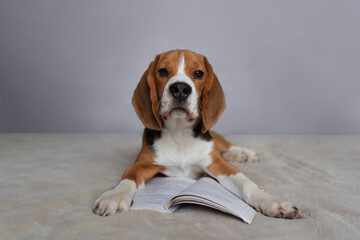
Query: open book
[165, 194]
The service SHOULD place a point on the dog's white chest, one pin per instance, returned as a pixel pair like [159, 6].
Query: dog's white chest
[181, 153]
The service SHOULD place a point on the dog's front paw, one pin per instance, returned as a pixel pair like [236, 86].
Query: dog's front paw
[273, 207]
[116, 200]
[239, 154]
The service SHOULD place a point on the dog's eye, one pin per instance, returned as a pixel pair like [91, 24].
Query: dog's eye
[198, 74]
[163, 72]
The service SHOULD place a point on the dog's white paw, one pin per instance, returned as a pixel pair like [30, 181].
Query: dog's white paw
[111, 202]
[273, 207]
[116, 200]
[239, 154]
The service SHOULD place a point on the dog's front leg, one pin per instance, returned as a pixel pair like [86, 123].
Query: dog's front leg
[120, 198]
[231, 178]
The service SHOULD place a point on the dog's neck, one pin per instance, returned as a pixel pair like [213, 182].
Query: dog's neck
[178, 122]
[178, 128]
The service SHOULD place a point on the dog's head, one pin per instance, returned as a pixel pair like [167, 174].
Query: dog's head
[179, 84]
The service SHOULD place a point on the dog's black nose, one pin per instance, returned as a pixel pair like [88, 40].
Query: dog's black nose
[180, 90]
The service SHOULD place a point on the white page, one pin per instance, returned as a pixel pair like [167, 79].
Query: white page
[208, 188]
[157, 191]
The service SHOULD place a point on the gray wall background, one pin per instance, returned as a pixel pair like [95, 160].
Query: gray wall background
[287, 67]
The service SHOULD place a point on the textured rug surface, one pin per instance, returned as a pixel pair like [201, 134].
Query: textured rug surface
[49, 182]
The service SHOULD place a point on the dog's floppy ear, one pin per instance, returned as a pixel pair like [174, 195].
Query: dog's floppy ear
[213, 99]
[146, 100]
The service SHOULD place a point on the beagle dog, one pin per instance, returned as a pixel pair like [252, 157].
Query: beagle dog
[178, 99]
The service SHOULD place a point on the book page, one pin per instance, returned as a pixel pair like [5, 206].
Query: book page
[157, 191]
[211, 193]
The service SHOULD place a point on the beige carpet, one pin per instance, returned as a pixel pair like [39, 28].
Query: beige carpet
[48, 184]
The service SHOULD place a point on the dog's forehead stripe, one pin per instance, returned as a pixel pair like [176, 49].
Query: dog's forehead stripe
[181, 66]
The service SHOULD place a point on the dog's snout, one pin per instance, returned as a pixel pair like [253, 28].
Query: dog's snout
[180, 90]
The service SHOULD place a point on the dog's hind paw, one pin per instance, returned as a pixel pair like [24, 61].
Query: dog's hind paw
[239, 154]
